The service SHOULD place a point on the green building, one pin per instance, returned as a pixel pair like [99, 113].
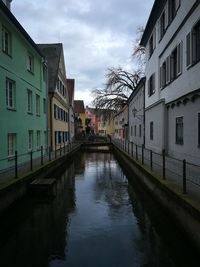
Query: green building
[23, 92]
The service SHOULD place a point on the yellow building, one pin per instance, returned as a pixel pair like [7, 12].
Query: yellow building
[106, 124]
[58, 101]
[79, 111]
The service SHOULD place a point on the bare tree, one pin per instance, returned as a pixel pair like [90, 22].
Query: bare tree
[119, 85]
[139, 50]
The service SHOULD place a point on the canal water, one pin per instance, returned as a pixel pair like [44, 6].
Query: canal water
[98, 218]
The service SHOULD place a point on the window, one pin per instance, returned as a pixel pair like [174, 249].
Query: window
[151, 130]
[151, 85]
[30, 140]
[37, 105]
[44, 106]
[135, 130]
[45, 139]
[30, 101]
[140, 130]
[152, 43]
[30, 63]
[11, 144]
[55, 111]
[189, 50]
[10, 94]
[199, 129]
[196, 43]
[176, 62]
[6, 41]
[179, 130]
[131, 130]
[172, 9]
[38, 141]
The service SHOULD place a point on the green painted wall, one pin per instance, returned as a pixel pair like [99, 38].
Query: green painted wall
[19, 121]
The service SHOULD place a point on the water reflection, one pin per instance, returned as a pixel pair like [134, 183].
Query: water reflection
[96, 219]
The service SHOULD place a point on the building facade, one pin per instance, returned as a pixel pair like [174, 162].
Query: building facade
[23, 94]
[79, 112]
[121, 124]
[172, 102]
[58, 101]
[70, 89]
[136, 115]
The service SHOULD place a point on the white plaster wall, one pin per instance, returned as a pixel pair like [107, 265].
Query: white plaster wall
[189, 150]
[153, 64]
[137, 103]
[157, 115]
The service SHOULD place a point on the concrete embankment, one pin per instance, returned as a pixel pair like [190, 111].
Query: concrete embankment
[17, 188]
[179, 206]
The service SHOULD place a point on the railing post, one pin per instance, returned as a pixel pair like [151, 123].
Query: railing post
[31, 160]
[184, 177]
[55, 152]
[64, 148]
[60, 150]
[163, 154]
[41, 155]
[16, 164]
[136, 152]
[128, 146]
[142, 154]
[49, 154]
[151, 160]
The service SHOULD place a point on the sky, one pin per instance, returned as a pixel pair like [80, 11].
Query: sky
[96, 34]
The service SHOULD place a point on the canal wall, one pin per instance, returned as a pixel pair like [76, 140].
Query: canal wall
[180, 207]
[17, 188]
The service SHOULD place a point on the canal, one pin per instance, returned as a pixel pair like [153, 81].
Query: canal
[98, 218]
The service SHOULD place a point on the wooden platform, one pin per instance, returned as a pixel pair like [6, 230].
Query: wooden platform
[43, 185]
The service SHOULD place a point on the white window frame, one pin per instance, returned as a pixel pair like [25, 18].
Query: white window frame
[6, 41]
[30, 63]
[10, 94]
[29, 101]
[12, 140]
[38, 139]
[30, 140]
[37, 105]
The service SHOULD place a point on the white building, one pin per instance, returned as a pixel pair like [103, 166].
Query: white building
[172, 98]
[136, 118]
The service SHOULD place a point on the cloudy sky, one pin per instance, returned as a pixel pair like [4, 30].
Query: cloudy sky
[96, 34]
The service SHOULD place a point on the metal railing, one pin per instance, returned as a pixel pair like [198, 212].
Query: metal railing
[20, 164]
[181, 173]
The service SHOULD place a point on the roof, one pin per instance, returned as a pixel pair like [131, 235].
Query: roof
[19, 27]
[79, 106]
[70, 89]
[137, 89]
[154, 15]
[52, 54]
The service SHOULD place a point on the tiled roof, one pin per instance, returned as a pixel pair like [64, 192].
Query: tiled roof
[52, 54]
[79, 106]
[70, 89]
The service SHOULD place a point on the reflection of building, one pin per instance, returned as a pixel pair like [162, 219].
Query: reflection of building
[23, 93]
[58, 96]
[105, 124]
[79, 111]
[70, 89]
[121, 123]
[136, 114]
[172, 113]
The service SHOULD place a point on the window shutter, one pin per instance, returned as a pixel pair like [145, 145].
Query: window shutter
[149, 87]
[154, 39]
[179, 57]
[193, 54]
[188, 49]
[166, 15]
[177, 3]
[159, 28]
[161, 77]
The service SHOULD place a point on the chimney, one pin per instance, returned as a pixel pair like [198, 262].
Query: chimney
[7, 3]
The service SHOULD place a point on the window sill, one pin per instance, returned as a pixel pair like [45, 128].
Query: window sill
[7, 54]
[180, 143]
[11, 157]
[11, 109]
[171, 81]
[30, 113]
[31, 72]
